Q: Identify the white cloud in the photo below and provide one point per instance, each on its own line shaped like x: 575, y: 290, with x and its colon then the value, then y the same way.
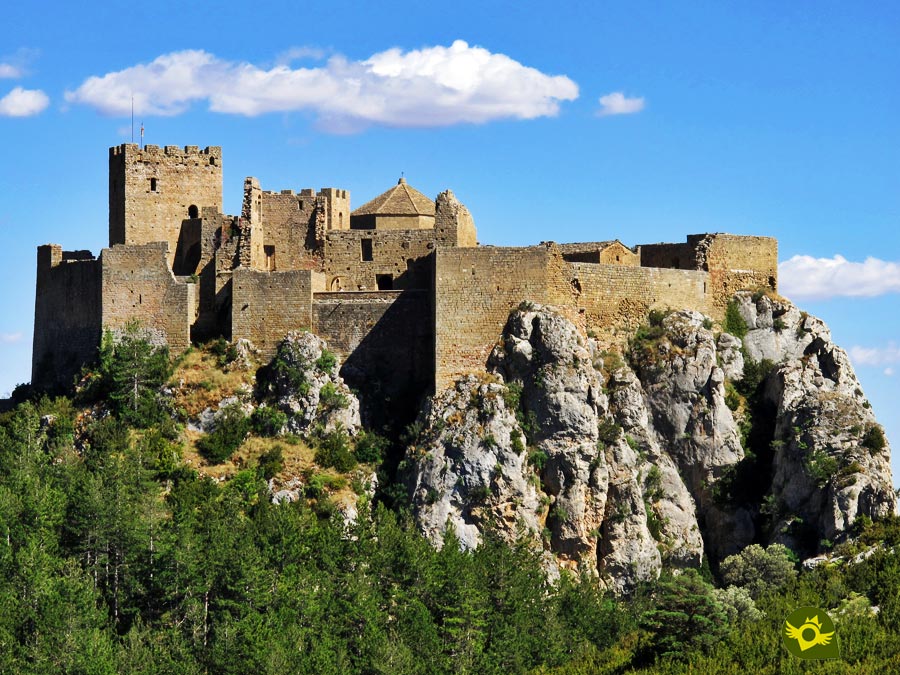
x: 9, y: 71
x: 23, y: 102
x: 299, y: 54
x: 875, y: 356
x: 429, y: 87
x: 617, y: 103
x: 14, y: 66
x: 10, y: 338
x: 805, y: 277
x: 889, y: 372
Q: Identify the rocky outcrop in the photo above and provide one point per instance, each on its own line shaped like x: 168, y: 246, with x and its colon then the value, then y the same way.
x: 622, y: 467
x: 830, y: 459
x: 303, y: 382
x: 471, y: 466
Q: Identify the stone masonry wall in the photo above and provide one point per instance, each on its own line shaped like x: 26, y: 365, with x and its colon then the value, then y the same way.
x: 289, y: 225
x: 385, y: 341
x: 738, y: 263
x: 611, y: 253
x: 137, y: 284
x: 615, y: 299
x: 402, y: 254
x: 673, y: 256
x: 453, y: 224
x: 67, y: 323
x: 151, y: 191
x: 475, y: 289
x: 266, y: 306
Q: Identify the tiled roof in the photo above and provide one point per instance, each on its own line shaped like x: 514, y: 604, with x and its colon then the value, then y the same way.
x: 400, y: 200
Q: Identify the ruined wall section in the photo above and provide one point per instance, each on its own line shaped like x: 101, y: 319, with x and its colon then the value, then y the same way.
x: 453, y: 224
x: 137, y: 284
x: 67, y: 315
x: 615, y: 299
x: 335, y: 207
x: 475, y: 289
x: 355, y: 260
x: 251, y: 206
x: 289, y: 224
x: 672, y: 256
x: 152, y: 190
x: 266, y: 306
x: 740, y: 263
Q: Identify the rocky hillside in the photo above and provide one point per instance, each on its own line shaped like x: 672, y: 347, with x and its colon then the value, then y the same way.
x: 697, y: 441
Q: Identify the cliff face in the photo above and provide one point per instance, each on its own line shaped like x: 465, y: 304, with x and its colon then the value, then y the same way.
x: 696, y: 443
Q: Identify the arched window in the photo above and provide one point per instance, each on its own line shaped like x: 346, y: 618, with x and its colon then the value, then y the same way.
x: 193, y: 211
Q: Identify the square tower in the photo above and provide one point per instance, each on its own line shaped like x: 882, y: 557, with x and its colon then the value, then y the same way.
x: 153, y: 190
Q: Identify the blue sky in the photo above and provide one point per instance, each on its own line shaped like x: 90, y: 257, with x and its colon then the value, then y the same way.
x: 567, y: 121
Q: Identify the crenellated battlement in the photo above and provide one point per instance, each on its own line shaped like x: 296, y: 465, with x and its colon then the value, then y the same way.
x: 150, y: 150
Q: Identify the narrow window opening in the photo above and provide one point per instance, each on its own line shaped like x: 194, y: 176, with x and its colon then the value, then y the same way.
x: 270, y: 257
x: 365, y: 249
x: 385, y: 282
x: 676, y: 263
x: 340, y: 220
x: 153, y: 185
x: 193, y: 211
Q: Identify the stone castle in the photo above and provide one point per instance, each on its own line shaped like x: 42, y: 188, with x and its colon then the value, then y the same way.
x: 399, y: 288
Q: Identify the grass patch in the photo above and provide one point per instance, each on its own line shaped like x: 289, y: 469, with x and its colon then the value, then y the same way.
x: 199, y: 382
x: 734, y: 322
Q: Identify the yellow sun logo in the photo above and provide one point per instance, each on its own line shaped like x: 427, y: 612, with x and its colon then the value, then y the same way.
x: 809, y: 634
x: 812, y: 628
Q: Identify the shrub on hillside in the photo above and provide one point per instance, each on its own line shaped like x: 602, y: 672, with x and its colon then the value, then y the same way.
x: 229, y: 432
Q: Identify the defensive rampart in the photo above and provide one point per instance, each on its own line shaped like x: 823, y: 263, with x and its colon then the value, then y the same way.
x: 266, y: 306
x: 137, y: 283
x: 385, y: 340
x: 67, y: 323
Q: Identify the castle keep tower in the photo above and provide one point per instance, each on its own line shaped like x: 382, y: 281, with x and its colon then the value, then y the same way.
x: 154, y: 190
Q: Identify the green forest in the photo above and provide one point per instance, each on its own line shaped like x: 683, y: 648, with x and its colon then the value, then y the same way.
x: 118, y: 556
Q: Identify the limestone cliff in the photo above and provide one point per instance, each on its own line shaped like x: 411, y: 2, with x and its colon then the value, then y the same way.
x: 695, y: 443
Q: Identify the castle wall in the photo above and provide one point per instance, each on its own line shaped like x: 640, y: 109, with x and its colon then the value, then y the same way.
x: 385, y: 341
x: 400, y: 254
x: 335, y: 206
x: 453, y: 224
x: 137, y: 284
x: 289, y: 224
x: 615, y: 299
x: 673, y: 256
x: 266, y: 306
x: 151, y: 191
x: 739, y: 262
x: 475, y: 289
x: 67, y: 315
x: 607, y: 253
